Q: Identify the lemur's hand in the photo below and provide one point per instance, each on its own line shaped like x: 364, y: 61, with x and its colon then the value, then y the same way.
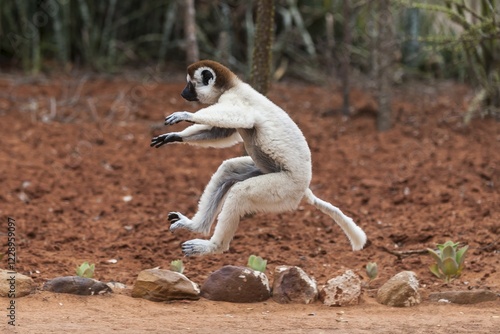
x: 165, y: 139
x: 177, y: 117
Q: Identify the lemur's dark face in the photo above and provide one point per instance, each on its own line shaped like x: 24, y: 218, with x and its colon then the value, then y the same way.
x: 189, y: 92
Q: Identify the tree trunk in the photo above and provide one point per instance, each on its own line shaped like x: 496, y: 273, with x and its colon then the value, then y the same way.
x: 261, y: 60
x: 192, y: 52
x: 346, y: 58
x: 330, y: 42
x: 385, y: 45
x: 411, y: 29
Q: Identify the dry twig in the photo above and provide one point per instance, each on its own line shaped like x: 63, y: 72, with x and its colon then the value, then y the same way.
x: 405, y: 253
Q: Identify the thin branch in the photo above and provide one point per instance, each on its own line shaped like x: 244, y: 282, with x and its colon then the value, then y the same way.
x: 405, y: 253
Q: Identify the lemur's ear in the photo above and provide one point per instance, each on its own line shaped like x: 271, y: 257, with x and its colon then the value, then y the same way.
x: 206, y: 77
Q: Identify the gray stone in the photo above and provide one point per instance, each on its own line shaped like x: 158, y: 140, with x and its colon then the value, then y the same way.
x: 116, y: 286
x: 292, y: 285
x: 76, y: 285
x: 465, y: 297
x: 13, y: 284
x: 163, y: 285
x: 236, y: 285
x: 342, y: 290
x: 400, y: 291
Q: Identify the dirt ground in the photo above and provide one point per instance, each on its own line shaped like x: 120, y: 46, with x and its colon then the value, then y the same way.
x: 79, y: 178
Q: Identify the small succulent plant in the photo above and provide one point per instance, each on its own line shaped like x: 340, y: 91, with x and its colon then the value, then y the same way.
x: 372, y: 270
x: 257, y: 263
x: 177, y: 266
x: 85, y: 270
x: 449, y: 260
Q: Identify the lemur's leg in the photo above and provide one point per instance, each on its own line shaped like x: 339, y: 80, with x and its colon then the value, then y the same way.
x: 273, y: 192
x: 230, y: 172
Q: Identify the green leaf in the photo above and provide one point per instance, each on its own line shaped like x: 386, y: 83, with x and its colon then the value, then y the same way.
x: 435, y: 255
x: 177, y: 266
x: 257, y: 263
x: 372, y: 270
x: 85, y: 270
x: 449, y: 267
x: 435, y: 270
x: 448, y: 252
x: 461, y: 255
x: 446, y: 244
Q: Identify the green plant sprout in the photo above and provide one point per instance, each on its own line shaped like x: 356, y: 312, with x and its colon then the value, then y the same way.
x: 85, y: 270
x: 371, y: 270
x: 449, y: 260
x: 257, y: 263
x: 177, y: 266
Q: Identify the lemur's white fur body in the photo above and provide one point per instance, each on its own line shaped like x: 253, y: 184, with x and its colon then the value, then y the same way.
x: 274, y: 177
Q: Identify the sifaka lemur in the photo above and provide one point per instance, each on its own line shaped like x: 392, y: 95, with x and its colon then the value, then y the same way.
x: 274, y: 177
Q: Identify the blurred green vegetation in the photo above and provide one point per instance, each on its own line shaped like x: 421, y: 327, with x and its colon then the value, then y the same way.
x: 457, y: 39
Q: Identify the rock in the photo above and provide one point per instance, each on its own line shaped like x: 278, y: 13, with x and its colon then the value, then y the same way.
x: 236, y: 285
x: 76, y: 285
x: 292, y: 285
x: 162, y: 285
x: 116, y: 286
x: 342, y: 290
x: 13, y: 285
x: 465, y: 297
x: 400, y: 291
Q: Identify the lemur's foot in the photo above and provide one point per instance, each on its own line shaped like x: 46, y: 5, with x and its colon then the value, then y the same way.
x: 200, y: 247
x: 178, y: 220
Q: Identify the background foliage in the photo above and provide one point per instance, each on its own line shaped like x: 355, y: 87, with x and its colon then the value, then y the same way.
x: 441, y: 38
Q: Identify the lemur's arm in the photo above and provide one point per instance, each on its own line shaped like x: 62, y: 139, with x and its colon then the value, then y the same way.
x: 218, y: 115
x: 200, y: 135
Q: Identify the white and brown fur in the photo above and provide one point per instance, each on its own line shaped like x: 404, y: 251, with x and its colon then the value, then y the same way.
x: 274, y: 177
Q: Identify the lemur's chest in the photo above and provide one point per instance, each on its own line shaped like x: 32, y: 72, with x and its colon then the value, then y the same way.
x: 264, y: 161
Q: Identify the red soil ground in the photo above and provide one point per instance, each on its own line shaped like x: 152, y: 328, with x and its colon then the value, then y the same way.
x: 73, y: 148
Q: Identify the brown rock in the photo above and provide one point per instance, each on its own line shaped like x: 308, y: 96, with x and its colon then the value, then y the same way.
x: 400, y: 291
x: 76, y: 285
x: 342, y: 290
x: 13, y: 284
x: 465, y: 297
x: 292, y: 285
x: 236, y: 285
x: 162, y: 285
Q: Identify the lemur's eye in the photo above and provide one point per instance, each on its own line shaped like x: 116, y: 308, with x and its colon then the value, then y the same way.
x: 206, y: 76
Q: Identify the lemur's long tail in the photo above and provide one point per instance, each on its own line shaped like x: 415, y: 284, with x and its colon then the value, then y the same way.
x: 356, y: 235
